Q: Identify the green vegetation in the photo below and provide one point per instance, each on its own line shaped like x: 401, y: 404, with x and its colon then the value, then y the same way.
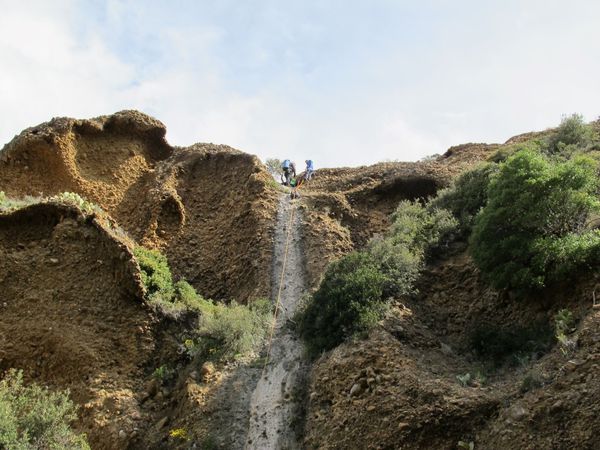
x: 352, y: 296
x: 73, y: 199
x: 532, y: 230
x: 32, y: 417
x: 224, y: 332
x: 156, y: 275
x: 274, y: 166
x: 8, y: 204
x: 163, y: 374
x: 477, y: 380
x: 227, y: 332
x: 348, y: 301
x: 572, y: 135
x: 467, y: 195
x: 515, y: 345
x: 415, y: 233
x: 564, y: 326
x: 532, y: 380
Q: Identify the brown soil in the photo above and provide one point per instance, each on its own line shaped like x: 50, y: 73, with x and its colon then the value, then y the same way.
x: 403, y: 377
x: 210, y: 208
x: 409, y: 396
x: 72, y: 315
x: 348, y: 206
x: 407, y: 393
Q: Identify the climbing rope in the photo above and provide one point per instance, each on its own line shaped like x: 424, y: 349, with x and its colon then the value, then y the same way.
x: 278, y: 300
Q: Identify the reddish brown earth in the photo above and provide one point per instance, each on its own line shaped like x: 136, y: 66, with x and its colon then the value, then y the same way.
x: 210, y: 208
x: 73, y: 314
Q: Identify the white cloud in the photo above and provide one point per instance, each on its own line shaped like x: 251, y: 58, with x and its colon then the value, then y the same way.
x: 300, y: 81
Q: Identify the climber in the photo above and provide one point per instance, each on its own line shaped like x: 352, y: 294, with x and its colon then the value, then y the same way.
x: 308, y: 173
x: 289, y: 169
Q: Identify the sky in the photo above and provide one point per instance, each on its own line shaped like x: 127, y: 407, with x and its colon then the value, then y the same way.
x: 342, y: 82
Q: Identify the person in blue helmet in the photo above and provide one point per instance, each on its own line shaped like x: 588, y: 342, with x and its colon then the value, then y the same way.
x: 310, y: 169
x: 289, y: 169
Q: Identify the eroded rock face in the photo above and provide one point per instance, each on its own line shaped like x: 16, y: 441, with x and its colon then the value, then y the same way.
x: 72, y: 315
x: 210, y: 208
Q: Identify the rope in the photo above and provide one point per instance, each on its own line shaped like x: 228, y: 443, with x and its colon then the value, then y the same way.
x: 278, y: 301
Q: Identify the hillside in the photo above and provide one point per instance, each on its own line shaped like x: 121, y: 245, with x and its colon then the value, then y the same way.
x: 77, y: 313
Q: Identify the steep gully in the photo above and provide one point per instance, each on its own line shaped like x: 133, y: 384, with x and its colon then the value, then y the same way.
x: 277, y: 401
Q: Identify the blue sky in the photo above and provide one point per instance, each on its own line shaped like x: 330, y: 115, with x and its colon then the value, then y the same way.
x: 342, y: 82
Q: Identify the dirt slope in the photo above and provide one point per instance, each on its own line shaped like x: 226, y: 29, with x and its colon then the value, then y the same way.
x: 345, y: 207
x: 72, y: 315
x: 210, y: 208
x: 399, y: 389
x: 213, y: 213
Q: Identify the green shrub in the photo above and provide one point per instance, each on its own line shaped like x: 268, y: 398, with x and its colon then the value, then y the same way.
x: 74, y: 199
x: 415, y: 232
x: 467, y: 195
x: 348, y: 301
x: 8, y: 204
x: 420, y: 229
x: 513, y: 345
x: 352, y: 296
x: 532, y: 230
x: 229, y: 331
x: 32, y: 417
x: 399, y: 266
x: 156, y: 274
x: 224, y: 332
x: 535, y: 144
x: 163, y: 374
x: 564, y: 322
x: 532, y: 381
x: 572, y: 134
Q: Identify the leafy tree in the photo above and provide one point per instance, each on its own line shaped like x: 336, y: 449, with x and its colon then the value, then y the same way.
x: 532, y: 230
x: 572, y: 133
x: 274, y: 167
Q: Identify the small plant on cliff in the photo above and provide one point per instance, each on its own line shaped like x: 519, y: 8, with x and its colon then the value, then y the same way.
x: 163, y: 374
x: 274, y: 167
x: 227, y: 332
x: 564, y: 326
x: 8, y: 204
x: 72, y: 198
x: 156, y: 274
x: 179, y: 434
x: 32, y: 417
